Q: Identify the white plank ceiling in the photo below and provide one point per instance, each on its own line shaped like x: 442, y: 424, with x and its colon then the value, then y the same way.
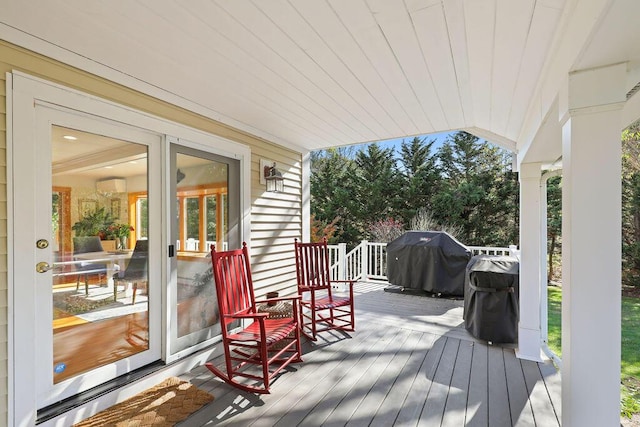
x: 318, y: 73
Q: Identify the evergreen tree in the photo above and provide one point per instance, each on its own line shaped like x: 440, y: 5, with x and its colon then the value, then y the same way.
x: 377, y: 189
x: 479, y: 193
x: 554, y: 223
x: 631, y: 204
x: 332, y: 189
x: 466, y: 185
x: 419, y: 177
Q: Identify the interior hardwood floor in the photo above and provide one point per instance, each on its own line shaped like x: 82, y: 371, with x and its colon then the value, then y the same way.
x: 85, y: 346
x: 82, y: 344
x: 410, y: 362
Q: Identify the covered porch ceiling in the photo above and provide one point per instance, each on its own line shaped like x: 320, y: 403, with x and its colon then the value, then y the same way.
x: 313, y: 74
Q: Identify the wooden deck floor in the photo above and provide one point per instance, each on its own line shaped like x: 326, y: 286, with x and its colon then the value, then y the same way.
x: 410, y: 362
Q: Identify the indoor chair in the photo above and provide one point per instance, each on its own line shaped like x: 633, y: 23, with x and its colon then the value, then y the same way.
x: 256, y: 347
x: 320, y: 310
x: 135, y: 272
x: 85, y: 244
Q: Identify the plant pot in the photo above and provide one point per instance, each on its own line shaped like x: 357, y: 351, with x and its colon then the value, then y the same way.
x: 108, y: 245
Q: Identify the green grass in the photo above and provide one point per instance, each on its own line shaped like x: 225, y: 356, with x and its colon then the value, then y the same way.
x: 554, y: 335
x: 630, y: 361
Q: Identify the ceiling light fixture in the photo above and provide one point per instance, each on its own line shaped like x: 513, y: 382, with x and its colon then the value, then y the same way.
x: 70, y: 137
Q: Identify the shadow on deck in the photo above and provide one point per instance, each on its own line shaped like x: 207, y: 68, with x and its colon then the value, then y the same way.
x: 410, y: 362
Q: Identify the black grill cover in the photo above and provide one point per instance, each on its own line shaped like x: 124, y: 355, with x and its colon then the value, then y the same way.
x: 431, y: 261
x: 491, y: 298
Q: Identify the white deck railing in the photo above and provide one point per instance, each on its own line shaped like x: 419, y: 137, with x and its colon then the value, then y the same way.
x: 368, y: 260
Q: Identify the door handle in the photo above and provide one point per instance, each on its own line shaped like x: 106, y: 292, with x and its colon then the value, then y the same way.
x: 43, y: 267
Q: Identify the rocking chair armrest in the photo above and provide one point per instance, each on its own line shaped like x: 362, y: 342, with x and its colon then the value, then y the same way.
x: 350, y: 282
x: 279, y: 299
x: 247, y: 316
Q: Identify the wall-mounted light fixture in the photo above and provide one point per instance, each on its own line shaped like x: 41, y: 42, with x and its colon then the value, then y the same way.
x: 271, y: 176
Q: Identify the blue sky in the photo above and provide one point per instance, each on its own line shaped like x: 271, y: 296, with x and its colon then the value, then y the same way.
x: 395, y: 143
x: 439, y: 137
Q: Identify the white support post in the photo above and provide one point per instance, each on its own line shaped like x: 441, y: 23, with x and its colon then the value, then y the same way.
x: 306, y: 197
x: 365, y: 259
x: 529, y: 334
x: 591, y: 247
x: 342, y: 261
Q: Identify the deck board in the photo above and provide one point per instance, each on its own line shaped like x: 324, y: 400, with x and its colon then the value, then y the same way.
x: 436, y: 400
x: 389, y: 409
x: 378, y: 392
x: 304, y: 394
x: 419, y: 390
x: 356, y: 385
x: 455, y: 409
x: 517, y: 391
x: 552, y: 382
x: 323, y: 361
x: 410, y: 362
x: 477, y: 404
x: 499, y: 413
x: 538, y: 395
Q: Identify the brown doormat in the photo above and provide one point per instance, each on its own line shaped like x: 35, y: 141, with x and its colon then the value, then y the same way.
x: 166, y: 404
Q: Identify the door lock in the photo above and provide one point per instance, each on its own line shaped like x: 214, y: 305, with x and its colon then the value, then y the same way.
x: 42, y: 244
x: 43, y: 267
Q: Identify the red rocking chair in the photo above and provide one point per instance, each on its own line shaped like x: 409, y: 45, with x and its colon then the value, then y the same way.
x: 259, y: 350
x: 320, y: 310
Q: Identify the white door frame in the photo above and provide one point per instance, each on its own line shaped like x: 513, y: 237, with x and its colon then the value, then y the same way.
x: 23, y: 91
x: 47, y: 393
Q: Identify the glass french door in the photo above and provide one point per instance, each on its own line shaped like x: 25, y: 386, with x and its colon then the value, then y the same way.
x: 205, y: 195
x: 94, y: 287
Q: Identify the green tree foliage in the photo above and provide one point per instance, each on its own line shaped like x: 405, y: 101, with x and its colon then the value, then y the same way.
x: 377, y: 185
x: 419, y: 175
x: 631, y: 204
x: 193, y: 217
x: 332, y: 190
x: 466, y: 185
x: 478, y: 192
x: 554, y: 223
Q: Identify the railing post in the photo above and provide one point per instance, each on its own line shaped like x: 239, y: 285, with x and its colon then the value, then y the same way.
x: 364, y: 260
x: 342, y: 261
x: 514, y: 251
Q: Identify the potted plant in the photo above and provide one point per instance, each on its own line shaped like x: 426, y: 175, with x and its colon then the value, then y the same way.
x: 120, y: 232
x: 94, y: 223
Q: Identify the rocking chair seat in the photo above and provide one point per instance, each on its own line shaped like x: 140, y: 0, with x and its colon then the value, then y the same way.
x: 276, y: 330
x: 326, y: 303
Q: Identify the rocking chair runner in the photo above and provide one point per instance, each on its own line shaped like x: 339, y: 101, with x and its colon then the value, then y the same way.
x: 320, y: 310
x: 267, y: 344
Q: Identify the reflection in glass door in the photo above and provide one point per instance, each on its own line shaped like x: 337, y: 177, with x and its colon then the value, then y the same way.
x: 99, y: 293
x: 74, y: 320
x: 202, y: 193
